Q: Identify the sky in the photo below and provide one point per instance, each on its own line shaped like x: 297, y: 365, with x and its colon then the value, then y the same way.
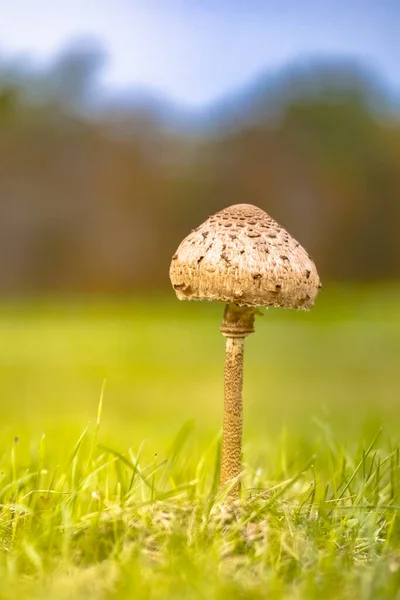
x: 196, y: 51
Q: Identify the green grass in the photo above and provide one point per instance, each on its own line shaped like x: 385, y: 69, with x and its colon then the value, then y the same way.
x: 127, y: 505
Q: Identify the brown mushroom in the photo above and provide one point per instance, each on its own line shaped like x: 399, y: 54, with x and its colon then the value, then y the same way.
x: 241, y: 257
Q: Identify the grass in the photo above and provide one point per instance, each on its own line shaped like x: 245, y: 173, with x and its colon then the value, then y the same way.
x: 118, y: 507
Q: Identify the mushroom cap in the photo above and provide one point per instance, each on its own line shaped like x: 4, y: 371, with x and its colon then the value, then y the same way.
x: 241, y: 255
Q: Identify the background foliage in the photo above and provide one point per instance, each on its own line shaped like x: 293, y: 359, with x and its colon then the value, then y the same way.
x: 96, y: 192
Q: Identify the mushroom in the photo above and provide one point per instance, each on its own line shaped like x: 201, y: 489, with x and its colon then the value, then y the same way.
x: 242, y: 257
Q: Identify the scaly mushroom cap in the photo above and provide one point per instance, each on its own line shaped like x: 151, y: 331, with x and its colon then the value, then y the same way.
x: 241, y: 255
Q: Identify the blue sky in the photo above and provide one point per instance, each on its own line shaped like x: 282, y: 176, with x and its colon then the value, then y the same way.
x: 194, y: 51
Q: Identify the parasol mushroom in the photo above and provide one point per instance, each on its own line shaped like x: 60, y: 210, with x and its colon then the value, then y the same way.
x: 242, y: 257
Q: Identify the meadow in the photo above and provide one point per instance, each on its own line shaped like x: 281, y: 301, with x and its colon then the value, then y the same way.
x: 110, y: 416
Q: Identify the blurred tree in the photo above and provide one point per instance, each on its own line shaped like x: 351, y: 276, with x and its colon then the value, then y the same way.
x: 71, y: 79
x: 98, y: 202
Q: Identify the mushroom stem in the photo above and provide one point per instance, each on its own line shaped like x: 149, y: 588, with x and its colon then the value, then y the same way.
x: 238, y: 322
x: 231, y: 458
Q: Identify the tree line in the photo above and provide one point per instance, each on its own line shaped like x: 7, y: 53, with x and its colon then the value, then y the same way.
x: 95, y: 198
